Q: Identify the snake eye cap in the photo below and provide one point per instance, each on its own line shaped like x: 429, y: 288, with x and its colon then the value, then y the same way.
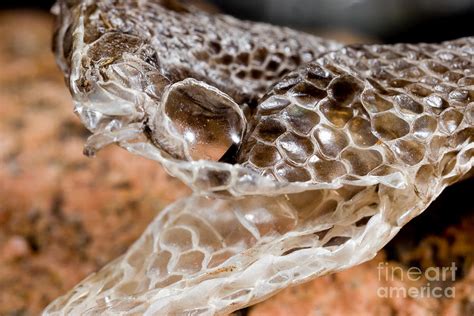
x: 198, y: 122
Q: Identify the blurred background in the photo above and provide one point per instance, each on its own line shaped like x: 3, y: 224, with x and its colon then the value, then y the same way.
x: 64, y: 216
x: 387, y: 20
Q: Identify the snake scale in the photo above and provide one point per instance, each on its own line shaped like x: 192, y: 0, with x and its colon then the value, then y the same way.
x: 305, y: 156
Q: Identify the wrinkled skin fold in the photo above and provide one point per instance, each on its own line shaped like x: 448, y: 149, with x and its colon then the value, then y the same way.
x: 305, y: 157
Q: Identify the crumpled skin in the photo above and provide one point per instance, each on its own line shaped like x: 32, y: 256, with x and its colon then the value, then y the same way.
x: 305, y: 157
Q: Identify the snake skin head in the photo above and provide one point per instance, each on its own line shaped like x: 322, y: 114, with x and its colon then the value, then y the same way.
x: 129, y: 65
x: 305, y: 157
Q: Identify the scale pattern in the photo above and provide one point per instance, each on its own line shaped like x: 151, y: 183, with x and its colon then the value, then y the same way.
x: 305, y: 157
x: 365, y: 111
x: 177, y: 42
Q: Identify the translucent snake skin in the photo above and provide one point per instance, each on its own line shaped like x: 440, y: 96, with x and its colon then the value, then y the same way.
x: 305, y: 157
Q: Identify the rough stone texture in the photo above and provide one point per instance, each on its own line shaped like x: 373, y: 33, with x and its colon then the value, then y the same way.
x: 59, y: 211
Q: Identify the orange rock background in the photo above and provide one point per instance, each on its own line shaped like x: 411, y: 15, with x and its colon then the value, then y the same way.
x: 63, y: 216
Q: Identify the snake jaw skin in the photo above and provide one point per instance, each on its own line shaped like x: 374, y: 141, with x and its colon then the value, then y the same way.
x: 305, y: 157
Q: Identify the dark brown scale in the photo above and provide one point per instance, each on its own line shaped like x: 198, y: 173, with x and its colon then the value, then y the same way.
x: 343, y: 90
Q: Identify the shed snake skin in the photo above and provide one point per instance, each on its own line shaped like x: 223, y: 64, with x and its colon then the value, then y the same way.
x: 305, y: 156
